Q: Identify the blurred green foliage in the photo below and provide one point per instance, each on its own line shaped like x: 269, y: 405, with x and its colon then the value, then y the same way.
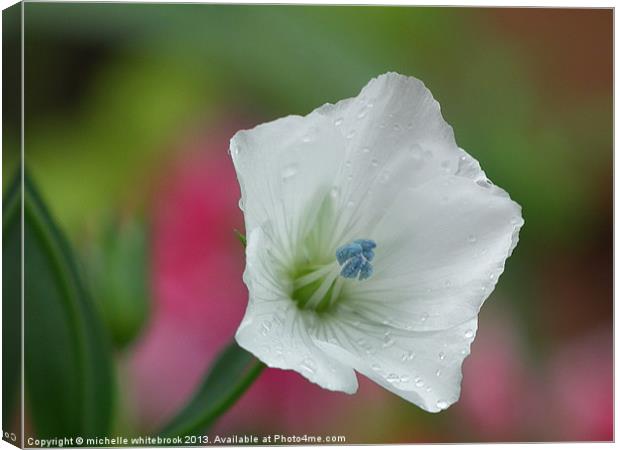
x: 119, y: 265
x: 67, y: 360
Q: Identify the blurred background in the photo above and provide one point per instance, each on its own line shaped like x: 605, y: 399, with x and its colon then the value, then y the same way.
x: 129, y: 109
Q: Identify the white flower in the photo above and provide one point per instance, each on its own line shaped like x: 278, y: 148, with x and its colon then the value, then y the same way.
x: 373, y: 241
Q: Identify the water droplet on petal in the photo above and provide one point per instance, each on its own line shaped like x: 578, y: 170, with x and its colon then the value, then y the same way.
x: 424, y: 317
x: 471, y: 239
x: 442, y: 355
x: 438, y: 372
x: 374, y: 162
x: 334, y: 192
x: 241, y: 204
x: 308, y: 365
x: 265, y: 327
x: 404, y: 379
x: 375, y: 367
x: 388, y: 340
x: 350, y: 134
x: 396, y: 127
x: 338, y: 121
x: 442, y: 404
x: 407, y: 356
x: 289, y: 171
x: 392, y: 378
x: 365, y: 150
x: 350, y: 204
x: 469, y: 334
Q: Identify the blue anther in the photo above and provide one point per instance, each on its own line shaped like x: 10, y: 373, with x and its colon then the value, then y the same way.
x: 355, y: 258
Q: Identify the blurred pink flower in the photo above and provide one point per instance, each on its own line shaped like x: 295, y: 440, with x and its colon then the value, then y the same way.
x: 496, y: 393
x: 580, y: 389
x: 199, y: 299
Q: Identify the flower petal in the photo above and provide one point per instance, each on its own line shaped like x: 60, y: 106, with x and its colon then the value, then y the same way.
x: 395, y: 135
x: 277, y: 332
x: 285, y: 168
x: 421, y: 367
x: 440, y: 250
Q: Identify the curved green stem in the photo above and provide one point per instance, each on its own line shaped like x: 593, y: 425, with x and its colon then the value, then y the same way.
x: 231, y: 375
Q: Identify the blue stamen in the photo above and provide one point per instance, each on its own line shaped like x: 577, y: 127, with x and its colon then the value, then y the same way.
x: 355, y: 258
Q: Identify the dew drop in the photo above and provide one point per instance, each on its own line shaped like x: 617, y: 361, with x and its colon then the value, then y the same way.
x: 438, y: 372
x: 392, y: 378
x: 388, y: 340
x: 241, y: 204
x: 375, y: 367
x: 365, y: 150
x: 396, y: 127
x: 445, y: 165
x: 334, y: 192
x: 361, y: 115
x: 289, y: 171
x: 469, y: 334
x: 374, y: 162
x: 338, y: 121
x: 419, y: 382
x: 424, y: 317
x: 265, y: 327
x: 442, y: 404
x: 471, y: 239
x: 447, y: 283
x: 442, y: 355
x: 308, y: 365
x: 407, y: 356
x: 350, y: 134
x: 404, y: 379
x: 350, y: 204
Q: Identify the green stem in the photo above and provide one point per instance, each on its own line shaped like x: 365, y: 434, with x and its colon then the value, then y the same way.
x: 230, y: 376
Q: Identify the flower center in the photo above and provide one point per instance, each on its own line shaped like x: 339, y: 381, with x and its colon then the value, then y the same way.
x: 319, y: 287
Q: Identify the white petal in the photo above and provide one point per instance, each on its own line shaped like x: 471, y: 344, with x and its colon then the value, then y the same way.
x: 285, y: 168
x: 422, y: 367
x: 277, y: 332
x: 440, y: 250
x: 395, y: 136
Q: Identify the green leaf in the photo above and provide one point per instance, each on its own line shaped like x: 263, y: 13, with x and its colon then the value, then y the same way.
x: 68, y: 367
x: 119, y: 275
x: 11, y: 306
x: 230, y: 376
